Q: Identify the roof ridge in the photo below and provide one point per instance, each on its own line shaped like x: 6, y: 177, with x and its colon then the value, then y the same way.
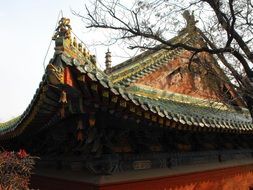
x: 139, y: 68
x: 139, y: 56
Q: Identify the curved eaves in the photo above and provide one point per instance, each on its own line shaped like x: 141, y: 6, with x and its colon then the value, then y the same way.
x: 41, y: 112
x: 164, y: 113
x: 15, y: 126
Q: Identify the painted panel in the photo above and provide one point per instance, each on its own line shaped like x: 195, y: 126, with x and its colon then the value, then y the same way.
x: 196, y: 78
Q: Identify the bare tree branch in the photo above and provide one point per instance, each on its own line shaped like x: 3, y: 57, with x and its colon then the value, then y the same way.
x: 227, y: 26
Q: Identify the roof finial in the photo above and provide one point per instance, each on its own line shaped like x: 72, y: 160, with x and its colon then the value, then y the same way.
x: 63, y: 29
x: 108, y: 61
x: 190, y: 19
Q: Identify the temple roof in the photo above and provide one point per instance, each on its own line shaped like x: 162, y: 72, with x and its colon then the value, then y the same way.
x: 146, y: 62
x: 172, y: 71
x: 72, y: 81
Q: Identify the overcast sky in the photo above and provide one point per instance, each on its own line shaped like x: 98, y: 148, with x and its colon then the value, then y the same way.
x: 26, y: 30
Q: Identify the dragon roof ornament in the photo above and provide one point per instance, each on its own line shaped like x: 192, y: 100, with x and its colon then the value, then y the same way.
x: 63, y: 29
x: 190, y: 19
x: 66, y: 42
x: 190, y: 22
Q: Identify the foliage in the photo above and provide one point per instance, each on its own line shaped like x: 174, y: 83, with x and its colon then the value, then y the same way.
x: 15, y: 170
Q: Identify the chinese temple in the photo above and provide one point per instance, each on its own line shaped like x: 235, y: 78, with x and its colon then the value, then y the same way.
x: 162, y: 120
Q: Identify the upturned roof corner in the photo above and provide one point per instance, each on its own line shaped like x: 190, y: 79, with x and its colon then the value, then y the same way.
x: 63, y: 29
x: 154, y: 87
x: 66, y: 41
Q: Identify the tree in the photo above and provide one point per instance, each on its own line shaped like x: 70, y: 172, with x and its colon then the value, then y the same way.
x: 226, y: 26
x: 15, y: 170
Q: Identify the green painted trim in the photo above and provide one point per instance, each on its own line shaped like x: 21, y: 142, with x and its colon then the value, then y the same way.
x: 162, y: 95
x: 9, y: 125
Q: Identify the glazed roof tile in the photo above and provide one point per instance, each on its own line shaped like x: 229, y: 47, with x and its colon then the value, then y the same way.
x: 170, y: 107
x: 202, y: 115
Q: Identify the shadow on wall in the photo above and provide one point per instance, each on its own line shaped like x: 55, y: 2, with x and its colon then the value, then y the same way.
x: 236, y: 178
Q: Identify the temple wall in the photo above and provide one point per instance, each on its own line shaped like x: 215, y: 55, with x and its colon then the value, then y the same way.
x: 233, y: 178
x: 238, y: 178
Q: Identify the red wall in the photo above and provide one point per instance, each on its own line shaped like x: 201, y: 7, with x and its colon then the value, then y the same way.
x: 46, y: 183
x: 236, y: 178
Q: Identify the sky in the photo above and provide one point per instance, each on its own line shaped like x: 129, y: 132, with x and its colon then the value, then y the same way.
x: 26, y: 30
